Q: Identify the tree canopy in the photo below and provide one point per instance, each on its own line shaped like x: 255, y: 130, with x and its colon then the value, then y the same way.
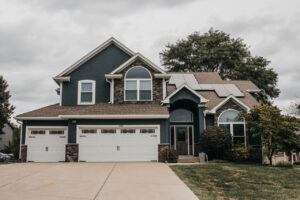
x: 277, y: 132
x: 216, y: 51
x: 6, y: 110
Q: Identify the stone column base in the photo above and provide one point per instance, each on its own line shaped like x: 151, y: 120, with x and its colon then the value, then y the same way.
x: 23, y: 154
x: 72, y: 152
x: 160, y: 148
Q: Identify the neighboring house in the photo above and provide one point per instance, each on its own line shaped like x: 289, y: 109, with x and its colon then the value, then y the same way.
x: 6, y: 136
x: 116, y: 105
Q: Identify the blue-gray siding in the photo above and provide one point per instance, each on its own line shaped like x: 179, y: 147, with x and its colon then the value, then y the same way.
x: 94, y: 69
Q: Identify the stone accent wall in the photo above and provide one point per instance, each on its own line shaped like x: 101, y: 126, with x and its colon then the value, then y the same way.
x: 23, y: 149
x: 157, y: 90
x: 72, y: 152
x: 160, y: 148
x: 229, y: 105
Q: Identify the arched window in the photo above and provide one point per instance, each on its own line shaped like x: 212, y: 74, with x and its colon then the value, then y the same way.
x: 138, y: 84
x: 181, y: 115
x: 230, y: 119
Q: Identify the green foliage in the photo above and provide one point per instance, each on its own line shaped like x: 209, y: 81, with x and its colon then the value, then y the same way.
x: 240, y: 153
x: 284, y: 164
x: 216, y: 51
x: 216, y: 142
x: 169, y: 155
x: 14, y: 146
x: 6, y: 110
x: 277, y: 132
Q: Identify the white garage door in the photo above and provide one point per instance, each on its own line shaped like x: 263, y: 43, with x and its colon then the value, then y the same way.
x: 113, y: 143
x: 46, y: 144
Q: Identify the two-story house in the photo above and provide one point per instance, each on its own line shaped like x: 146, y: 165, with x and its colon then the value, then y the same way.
x: 116, y: 105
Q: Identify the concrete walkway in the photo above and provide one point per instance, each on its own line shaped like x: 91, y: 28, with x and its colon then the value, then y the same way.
x: 105, y: 181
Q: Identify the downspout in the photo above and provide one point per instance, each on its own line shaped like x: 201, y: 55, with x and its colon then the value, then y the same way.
x: 111, y: 98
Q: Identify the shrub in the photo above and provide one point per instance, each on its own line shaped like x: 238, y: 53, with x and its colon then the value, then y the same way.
x: 297, y: 163
x: 168, y: 155
x: 216, y: 142
x: 284, y: 164
x: 240, y: 153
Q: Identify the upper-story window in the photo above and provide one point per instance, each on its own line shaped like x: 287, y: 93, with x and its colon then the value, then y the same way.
x: 138, y: 85
x: 86, y: 92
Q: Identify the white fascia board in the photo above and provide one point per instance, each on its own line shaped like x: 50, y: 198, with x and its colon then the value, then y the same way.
x: 113, y: 76
x: 37, y: 118
x: 165, y: 76
x: 94, y: 52
x: 214, y: 110
x: 202, y: 99
x: 253, y: 90
x: 58, y: 80
x: 134, y: 58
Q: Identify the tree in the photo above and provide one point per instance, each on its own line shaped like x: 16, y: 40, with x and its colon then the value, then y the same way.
x: 14, y: 146
x: 216, y: 51
x: 216, y: 142
x: 278, y: 132
x: 6, y: 110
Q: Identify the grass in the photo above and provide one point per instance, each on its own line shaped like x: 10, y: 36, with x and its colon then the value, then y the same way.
x: 240, y: 181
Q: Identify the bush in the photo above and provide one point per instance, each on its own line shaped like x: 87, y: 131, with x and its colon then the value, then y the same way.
x: 297, y: 163
x: 240, y: 153
x: 216, y: 142
x: 168, y: 155
x: 284, y: 164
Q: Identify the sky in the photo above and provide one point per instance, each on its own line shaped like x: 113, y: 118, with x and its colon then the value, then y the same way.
x: 41, y: 38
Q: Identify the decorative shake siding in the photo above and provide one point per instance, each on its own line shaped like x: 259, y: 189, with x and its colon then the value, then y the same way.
x: 157, y: 90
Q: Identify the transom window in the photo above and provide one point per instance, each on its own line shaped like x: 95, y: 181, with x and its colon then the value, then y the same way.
x: 86, y: 92
x: 56, y: 132
x: 89, y: 131
x: 149, y: 130
x: 138, y: 85
x: 230, y: 120
x: 181, y: 115
x: 38, y: 132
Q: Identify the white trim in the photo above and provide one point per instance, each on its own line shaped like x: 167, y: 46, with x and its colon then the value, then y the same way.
x: 113, y: 76
x: 164, y: 87
x: 214, y: 109
x: 134, y: 58
x: 79, y: 92
x: 202, y: 99
x: 62, y: 79
x: 65, y: 128
x: 60, y: 93
x: 138, y: 80
x: 253, y: 90
x: 112, y: 95
x: 97, y: 50
x: 64, y: 117
x: 188, y: 133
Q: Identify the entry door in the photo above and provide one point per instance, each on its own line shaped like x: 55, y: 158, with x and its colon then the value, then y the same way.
x: 182, y: 140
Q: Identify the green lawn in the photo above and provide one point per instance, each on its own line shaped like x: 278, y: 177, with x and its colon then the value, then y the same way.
x: 240, y: 181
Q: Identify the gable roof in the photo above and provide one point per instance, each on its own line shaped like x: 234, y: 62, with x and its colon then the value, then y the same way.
x: 214, y: 109
x: 167, y: 99
x: 94, y: 52
x: 134, y: 58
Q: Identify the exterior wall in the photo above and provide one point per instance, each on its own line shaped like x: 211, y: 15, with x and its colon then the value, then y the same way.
x: 23, y: 153
x: 6, y: 137
x: 209, y: 120
x: 157, y: 88
x: 94, y: 69
x: 72, y: 152
x: 185, y: 94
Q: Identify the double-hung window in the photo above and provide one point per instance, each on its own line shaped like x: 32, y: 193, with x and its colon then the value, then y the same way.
x: 138, y: 85
x: 86, y: 92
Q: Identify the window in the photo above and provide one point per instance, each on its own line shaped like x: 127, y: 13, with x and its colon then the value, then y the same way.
x: 38, y: 132
x: 89, y: 131
x: 234, y: 124
x: 149, y: 130
x: 125, y: 131
x: 56, y: 132
x: 181, y: 115
x: 108, y: 131
x: 86, y: 92
x: 138, y: 85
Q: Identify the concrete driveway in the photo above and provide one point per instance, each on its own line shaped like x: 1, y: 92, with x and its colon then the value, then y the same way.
x: 106, y: 181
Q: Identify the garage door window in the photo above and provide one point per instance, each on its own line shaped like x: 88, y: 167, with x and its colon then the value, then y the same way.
x: 56, y: 132
x: 89, y: 131
x: 108, y: 131
x: 38, y: 132
x: 149, y: 130
x: 128, y: 131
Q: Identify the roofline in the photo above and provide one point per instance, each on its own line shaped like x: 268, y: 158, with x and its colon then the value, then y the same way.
x: 65, y: 117
x: 253, y: 90
x: 134, y: 58
x: 91, y: 54
x: 61, y: 79
x: 113, y: 76
x: 165, y: 76
x: 167, y: 99
x: 214, y: 109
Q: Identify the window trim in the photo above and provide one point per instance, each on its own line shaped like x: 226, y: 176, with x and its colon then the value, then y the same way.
x: 232, y: 123
x: 93, y: 92
x: 138, y: 84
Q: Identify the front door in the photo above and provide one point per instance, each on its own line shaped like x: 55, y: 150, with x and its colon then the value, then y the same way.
x: 182, y: 140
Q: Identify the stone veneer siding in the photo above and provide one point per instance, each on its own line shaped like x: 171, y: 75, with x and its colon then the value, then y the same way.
x: 23, y: 157
x: 157, y: 90
x: 160, y: 148
x: 72, y: 152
